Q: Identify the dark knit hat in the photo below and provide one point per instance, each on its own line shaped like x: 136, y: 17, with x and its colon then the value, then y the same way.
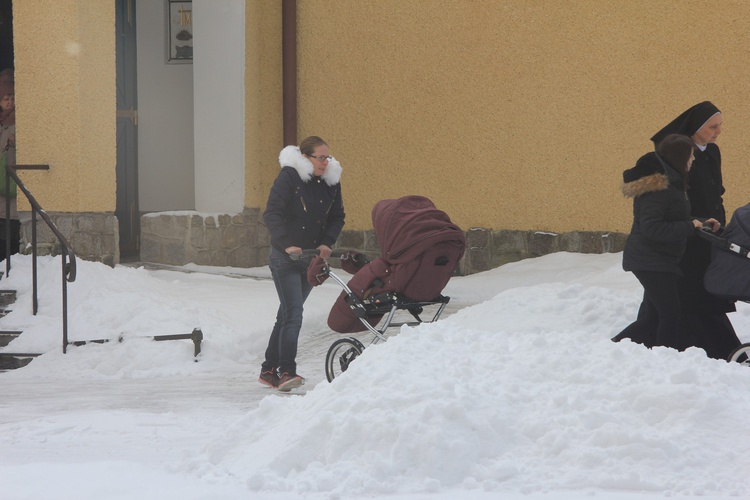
x: 689, y: 122
x: 646, y: 165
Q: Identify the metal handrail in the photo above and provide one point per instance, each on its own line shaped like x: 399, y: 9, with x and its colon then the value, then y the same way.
x: 68, y: 255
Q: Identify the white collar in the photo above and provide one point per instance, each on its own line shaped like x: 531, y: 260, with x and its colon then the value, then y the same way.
x: 291, y: 156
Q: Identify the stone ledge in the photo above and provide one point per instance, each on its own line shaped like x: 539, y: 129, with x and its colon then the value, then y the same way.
x: 93, y: 236
x: 179, y: 238
x: 242, y: 240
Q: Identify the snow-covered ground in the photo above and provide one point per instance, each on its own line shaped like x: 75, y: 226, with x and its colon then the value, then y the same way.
x: 517, y: 393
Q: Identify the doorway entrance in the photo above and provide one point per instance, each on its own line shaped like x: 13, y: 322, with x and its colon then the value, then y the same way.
x: 127, y: 210
x: 6, y: 35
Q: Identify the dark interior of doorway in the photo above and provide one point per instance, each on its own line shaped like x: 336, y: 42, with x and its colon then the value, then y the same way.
x: 6, y: 34
x: 127, y: 206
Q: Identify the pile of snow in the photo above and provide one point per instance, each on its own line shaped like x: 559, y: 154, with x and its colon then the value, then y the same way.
x: 521, y: 393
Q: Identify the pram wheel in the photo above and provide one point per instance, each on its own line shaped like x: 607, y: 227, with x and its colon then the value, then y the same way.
x: 340, y: 356
x: 740, y: 355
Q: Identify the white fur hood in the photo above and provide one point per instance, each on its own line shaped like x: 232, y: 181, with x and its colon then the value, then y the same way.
x: 291, y: 156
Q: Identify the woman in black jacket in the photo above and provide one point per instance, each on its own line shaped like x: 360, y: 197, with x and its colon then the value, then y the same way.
x: 661, y: 226
x: 704, y: 315
x: 304, y: 211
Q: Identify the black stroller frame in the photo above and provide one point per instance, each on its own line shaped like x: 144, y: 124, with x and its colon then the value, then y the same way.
x: 345, y: 350
x: 742, y: 352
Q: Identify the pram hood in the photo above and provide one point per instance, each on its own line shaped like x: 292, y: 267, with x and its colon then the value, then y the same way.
x: 420, y: 250
x: 407, y: 226
x: 728, y: 275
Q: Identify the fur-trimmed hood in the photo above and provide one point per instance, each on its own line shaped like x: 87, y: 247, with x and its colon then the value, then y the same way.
x: 291, y: 156
x: 649, y: 174
x: 647, y: 184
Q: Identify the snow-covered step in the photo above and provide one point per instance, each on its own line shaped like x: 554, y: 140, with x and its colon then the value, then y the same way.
x: 11, y: 361
x: 7, y: 336
x: 7, y: 297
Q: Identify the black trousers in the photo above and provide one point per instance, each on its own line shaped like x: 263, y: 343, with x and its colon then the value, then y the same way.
x: 713, y: 333
x: 659, y: 320
x: 15, y: 237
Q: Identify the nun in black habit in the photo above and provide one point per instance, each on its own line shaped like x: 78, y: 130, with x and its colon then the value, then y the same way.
x: 706, y: 323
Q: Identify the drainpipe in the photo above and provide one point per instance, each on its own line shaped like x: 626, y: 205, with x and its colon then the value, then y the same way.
x: 289, y: 69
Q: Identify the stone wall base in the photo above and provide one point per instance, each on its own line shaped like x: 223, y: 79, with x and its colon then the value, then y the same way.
x: 241, y: 240
x: 487, y: 249
x: 179, y: 238
x: 93, y: 236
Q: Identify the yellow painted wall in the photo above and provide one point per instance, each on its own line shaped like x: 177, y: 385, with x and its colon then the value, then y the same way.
x: 66, y: 102
x: 263, y: 99
x: 509, y: 114
x: 516, y: 114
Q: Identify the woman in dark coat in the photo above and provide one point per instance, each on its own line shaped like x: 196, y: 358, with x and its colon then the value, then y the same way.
x: 708, y: 326
x: 661, y: 226
x: 304, y: 211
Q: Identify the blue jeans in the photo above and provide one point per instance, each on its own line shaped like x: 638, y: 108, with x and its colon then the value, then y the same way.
x: 290, y: 278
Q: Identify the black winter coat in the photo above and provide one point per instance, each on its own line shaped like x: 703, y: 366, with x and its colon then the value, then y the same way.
x: 661, y: 217
x: 705, y: 185
x: 303, y: 210
x: 705, y: 191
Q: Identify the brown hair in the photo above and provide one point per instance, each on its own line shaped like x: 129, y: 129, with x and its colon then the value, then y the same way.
x: 308, y: 145
x: 675, y: 149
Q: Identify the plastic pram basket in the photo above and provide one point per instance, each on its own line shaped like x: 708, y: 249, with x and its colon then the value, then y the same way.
x: 728, y: 275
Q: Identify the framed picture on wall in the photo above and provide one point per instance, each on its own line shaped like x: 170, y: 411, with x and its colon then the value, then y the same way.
x: 179, y: 31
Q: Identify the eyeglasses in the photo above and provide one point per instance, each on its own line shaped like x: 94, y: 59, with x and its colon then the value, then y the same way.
x: 321, y: 158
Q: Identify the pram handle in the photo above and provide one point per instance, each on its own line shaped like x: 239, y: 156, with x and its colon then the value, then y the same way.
x: 708, y: 235
x: 313, y: 252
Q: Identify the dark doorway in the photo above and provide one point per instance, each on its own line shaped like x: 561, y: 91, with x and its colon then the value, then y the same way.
x: 6, y: 34
x: 127, y: 210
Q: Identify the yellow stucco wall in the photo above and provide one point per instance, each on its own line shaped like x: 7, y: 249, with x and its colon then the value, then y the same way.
x: 509, y: 114
x: 66, y: 102
x: 516, y: 114
x: 263, y: 99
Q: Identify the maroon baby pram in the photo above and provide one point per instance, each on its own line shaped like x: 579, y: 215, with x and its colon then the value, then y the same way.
x: 420, y: 251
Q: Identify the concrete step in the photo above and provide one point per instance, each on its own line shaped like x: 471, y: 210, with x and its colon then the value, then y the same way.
x: 9, y: 361
x: 12, y: 361
x: 7, y: 297
x: 7, y: 336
